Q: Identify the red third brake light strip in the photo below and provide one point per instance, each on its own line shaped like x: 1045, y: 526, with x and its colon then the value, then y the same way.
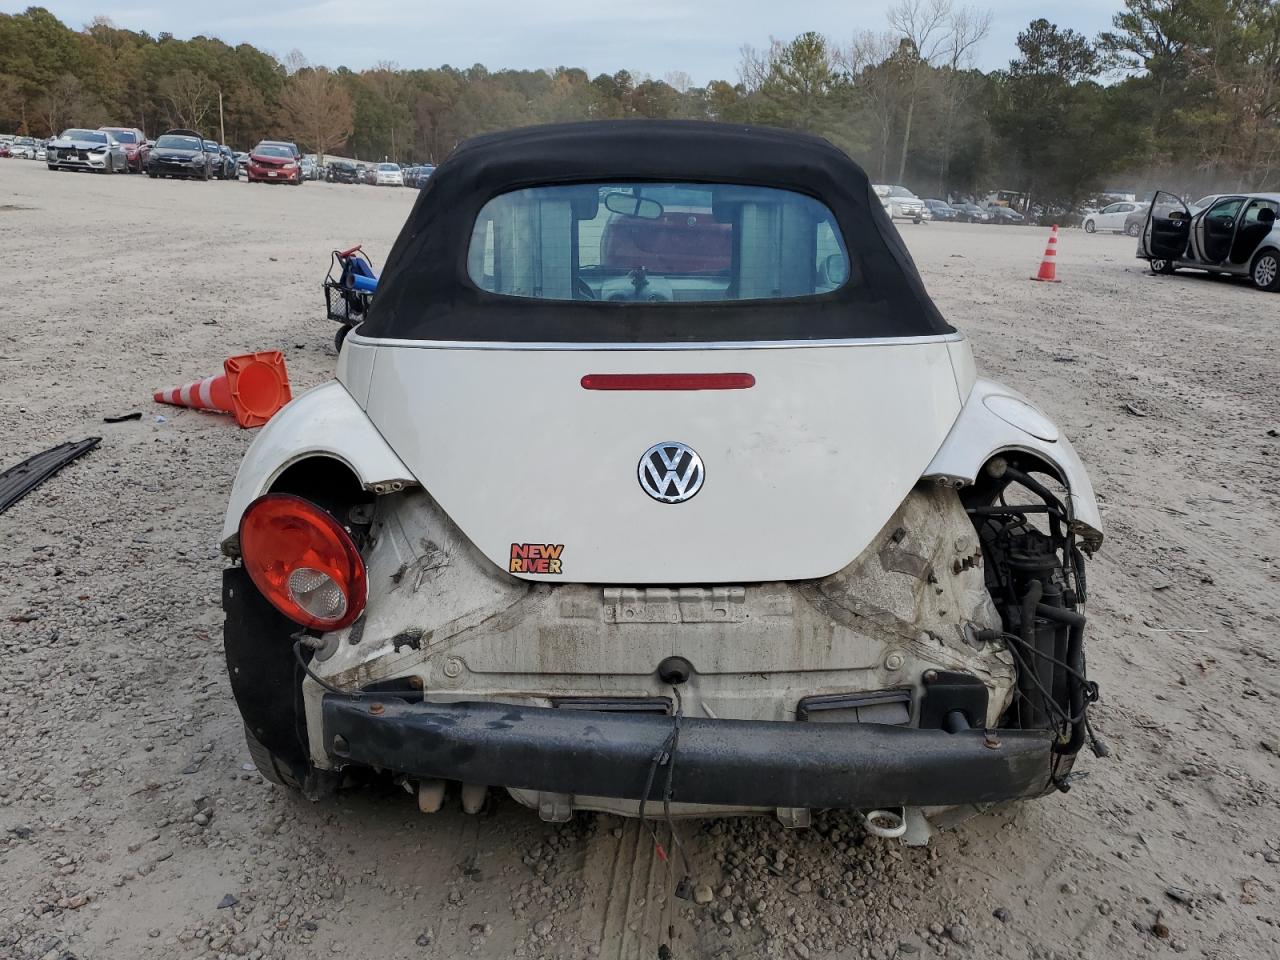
x: 668, y: 381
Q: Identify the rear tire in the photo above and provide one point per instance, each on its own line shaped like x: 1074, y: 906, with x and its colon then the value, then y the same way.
x: 269, y: 765
x: 1164, y: 267
x: 1133, y: 230
x: 1265, y: 271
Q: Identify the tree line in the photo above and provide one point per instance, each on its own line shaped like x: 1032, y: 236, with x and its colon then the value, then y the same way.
x: 1179, y: 93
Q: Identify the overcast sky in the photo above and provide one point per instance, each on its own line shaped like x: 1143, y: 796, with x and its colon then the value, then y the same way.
x: 700, y: 37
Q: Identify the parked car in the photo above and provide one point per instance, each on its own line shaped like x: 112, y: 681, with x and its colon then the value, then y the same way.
x: 898, y: 630
x: 23, y: 148
x: 307, y: 166
x: 5, y: 150
x: 180, y: 153
x: 971, y: 213
x: 422, y: 175
x: 368, y: 173
x: 288, y: 144
x: 274, y: 162
x: 342, y: 171
x: 1116, y: 217
x: 1005, y: 215
x: 388, y: 175
x: 135, y: 146
x: 92, y: 150
x: 900, y: 202
x: 223, y: 163
x: 242, y: 162
x: 1234, y: 234
x: 941, y: 210
x: 230, y: 165
x: 1135, y: 219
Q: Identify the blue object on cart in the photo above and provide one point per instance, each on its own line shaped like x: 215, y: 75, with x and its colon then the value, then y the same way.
x: 349, y: 286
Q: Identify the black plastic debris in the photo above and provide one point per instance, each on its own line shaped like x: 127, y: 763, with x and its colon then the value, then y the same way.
x: 21, y: 479
x: 136, y: 415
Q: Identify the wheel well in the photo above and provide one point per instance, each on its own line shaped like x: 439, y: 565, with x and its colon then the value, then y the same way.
x: 990, y: 482
x: 327, y: 482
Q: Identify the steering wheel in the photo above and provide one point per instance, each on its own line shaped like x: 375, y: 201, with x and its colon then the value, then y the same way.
x: 583, y: 290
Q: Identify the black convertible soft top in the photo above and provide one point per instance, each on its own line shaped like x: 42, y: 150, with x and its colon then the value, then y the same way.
x: 425, y: 293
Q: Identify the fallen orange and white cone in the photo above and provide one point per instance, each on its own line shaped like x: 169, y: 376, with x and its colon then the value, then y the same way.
x: 252, y: 387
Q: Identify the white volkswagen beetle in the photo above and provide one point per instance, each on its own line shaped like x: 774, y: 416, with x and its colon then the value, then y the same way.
x: 1234, y: 234
x: 654, y: 475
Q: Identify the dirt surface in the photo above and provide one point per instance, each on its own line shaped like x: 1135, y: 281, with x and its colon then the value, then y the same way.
x: 132, y: 824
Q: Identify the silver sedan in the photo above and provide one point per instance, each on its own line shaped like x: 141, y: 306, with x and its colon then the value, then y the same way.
x: 93, y: 150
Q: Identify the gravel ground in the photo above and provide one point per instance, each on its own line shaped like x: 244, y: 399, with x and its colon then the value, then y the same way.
x: 132, y: 824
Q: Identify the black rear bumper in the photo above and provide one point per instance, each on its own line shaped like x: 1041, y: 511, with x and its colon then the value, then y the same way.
x: 727, y: 762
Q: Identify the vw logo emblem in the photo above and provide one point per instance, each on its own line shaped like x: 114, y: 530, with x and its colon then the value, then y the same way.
x: 671, y: 472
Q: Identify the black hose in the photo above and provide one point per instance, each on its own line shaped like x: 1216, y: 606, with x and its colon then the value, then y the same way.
x: 1075, y: 659
x: 1035, y: 486
x: 1028, y: 627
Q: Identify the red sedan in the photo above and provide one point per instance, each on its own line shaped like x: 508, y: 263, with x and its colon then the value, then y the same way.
x: 135, y: 146
x: 273, y: 163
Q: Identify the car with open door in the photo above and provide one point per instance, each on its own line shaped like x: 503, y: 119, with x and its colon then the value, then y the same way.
x: 1234, y: 234
x: 654, y: 476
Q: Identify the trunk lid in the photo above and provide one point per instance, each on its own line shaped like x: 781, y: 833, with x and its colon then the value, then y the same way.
x: 799, y: 470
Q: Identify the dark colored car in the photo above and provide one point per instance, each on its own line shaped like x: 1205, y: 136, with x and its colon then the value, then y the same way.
x: 136, y: 146
x: 273, y: 162
x: 1006, y: 215
x: 224, y: 161
x: 971, y: 213
x: 419, y: 176
x: 180, y: 153
x: 941, y: 210
x: 342, y: 171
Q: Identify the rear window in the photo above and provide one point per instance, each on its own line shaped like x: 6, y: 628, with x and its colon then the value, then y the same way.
x: 656, y: 242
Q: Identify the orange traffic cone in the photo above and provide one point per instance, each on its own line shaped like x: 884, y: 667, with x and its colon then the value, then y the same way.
x: 1049, y: 265
x: 252, y: 386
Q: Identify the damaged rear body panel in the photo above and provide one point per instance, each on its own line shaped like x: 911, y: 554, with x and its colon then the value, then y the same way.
x: 654, y: 476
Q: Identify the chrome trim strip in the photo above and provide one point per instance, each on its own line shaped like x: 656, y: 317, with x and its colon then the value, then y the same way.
x: 355, y: 338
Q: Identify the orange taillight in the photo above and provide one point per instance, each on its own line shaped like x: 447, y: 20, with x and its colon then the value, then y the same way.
x: 303, y: 561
